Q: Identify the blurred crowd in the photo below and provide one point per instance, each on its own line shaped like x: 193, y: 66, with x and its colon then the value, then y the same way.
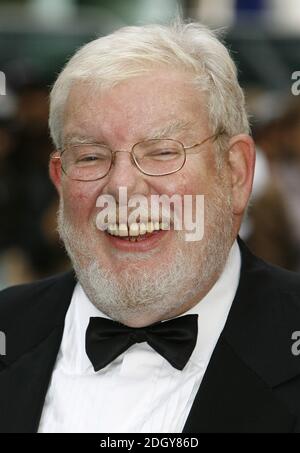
x: 29, y: 244
x: 272, y: 226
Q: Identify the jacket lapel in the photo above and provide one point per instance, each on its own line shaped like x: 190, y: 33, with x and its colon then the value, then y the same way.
x: 233, y: 399
x: 27, y: 380
x: 32, y: 346
x: 251, y: 359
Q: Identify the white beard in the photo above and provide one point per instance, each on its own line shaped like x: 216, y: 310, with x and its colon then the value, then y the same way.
x: 140, y: 294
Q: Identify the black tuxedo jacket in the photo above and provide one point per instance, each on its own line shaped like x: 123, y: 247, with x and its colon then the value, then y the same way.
x: 252, y: 383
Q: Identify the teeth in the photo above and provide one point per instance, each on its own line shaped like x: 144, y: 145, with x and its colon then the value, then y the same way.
x: 136, y: 229
x: 150, y: 227
x: 164, y: 226
x: 143, y: 228
x: 123, y: 230
x: 113, y: 229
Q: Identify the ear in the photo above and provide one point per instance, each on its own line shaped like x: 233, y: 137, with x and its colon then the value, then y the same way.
x: 241, y: 160
x: 55, y: 171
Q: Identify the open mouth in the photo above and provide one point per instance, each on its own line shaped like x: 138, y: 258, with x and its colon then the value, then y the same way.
x: 136, y: 232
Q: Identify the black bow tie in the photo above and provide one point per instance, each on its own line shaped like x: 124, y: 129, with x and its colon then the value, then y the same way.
x: 174, y: 339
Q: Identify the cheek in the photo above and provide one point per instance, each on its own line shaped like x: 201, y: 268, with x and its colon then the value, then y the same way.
x: 192, y: 181
x: 80, y: 201
x: 202, y: 176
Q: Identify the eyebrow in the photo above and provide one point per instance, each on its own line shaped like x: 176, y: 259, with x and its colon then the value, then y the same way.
x: 80, y: 139
x: 167, y: 131
x: 171, y: 129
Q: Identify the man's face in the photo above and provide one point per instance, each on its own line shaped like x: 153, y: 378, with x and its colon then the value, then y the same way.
x: 135, y: 110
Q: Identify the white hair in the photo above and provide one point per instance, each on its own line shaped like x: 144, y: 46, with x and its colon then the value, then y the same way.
x: 136, y: 50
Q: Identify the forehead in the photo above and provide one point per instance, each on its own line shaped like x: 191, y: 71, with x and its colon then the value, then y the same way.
x: 157, y: 104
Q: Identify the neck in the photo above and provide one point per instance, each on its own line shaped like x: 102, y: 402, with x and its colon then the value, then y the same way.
x: 147, y: 318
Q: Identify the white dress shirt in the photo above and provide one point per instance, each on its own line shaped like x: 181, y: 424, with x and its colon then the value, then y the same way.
x: 139, y: 392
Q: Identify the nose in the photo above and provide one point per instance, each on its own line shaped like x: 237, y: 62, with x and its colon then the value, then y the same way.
x: 124, y: 173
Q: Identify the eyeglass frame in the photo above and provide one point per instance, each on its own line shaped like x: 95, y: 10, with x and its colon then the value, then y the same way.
x: 214, y: 136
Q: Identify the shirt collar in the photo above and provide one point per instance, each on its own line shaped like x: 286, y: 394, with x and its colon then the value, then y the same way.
x: 214, y: 308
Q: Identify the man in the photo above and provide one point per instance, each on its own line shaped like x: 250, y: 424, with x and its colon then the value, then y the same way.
x: 156, y: 333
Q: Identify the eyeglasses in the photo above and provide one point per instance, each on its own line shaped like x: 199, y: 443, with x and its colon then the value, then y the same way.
x: 154, y: 157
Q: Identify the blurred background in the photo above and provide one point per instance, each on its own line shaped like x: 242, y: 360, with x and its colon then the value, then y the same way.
x: 36, y: 39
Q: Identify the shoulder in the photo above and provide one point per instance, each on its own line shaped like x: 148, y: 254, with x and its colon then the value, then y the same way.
x: 283, y: 280
x: 263, y: 318
x: 29, y: 288
x: 261, y: 276
x: 16, y: 300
